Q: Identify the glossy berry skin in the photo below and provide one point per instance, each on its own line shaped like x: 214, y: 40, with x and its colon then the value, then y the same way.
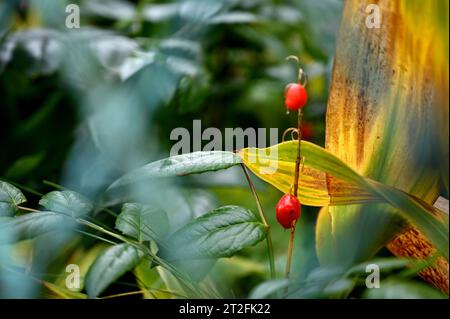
x: 288, y: 210
x: 296, y: 96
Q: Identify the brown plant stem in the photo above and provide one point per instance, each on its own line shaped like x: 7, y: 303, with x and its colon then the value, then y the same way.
x: 290, y: 251
x: 295, y: 193
x: 298, y: 159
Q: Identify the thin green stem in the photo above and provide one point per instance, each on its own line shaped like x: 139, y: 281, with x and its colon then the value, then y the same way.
x: 96, y: 237
x: 54, y: 185
x: 105, y: 231
x: 139, y: 292
x: 27, y: 209
x: 266, y: 224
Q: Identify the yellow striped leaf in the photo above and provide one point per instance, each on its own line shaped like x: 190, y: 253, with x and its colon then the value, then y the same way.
x: 322, y: 171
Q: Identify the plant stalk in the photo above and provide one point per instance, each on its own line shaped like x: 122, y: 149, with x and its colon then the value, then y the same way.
x: 290, y: 251
x: 27, y: 209
x: 296, y: 178
x: 266, y: 224
x: 298, y: 159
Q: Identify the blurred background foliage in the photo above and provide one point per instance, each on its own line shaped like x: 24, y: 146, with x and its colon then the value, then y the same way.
x: 80, y: 107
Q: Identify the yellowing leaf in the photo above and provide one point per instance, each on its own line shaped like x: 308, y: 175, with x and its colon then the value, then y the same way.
x: 320, y: 167
x: 276, y: 166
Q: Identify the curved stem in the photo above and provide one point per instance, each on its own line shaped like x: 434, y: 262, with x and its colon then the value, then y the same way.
x: 266, y: 224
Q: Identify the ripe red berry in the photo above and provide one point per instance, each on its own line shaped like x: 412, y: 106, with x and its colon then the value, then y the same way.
x: 288, y: 210
x: 296, y: 96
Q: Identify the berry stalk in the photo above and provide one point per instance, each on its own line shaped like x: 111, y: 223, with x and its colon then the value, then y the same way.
x: 298, y: 159
x: 290, y: 251
x: 288, y: 207
x: 295, y: 193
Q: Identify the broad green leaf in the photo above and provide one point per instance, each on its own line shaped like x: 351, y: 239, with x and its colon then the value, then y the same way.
x: 33, y: 224
x: 387, y: 118
x: 10, y: 198
x: 143, y: 222
x: 110, y: 266
x: 191, y: 163
x: 219, y: 233
x: 67, y: 202
x: 328, y: 171
x: 402, y: 289
x: 384, y: 264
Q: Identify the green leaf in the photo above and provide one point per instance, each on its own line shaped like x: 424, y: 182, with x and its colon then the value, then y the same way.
x: 402, y: 289
x: 10, y: 198
x: 32, y: 225
x: 143, y: 222
x: 110, y: 266
x: 67, y: 202
x: 219, y: 233
x: 384, y: 264
x: 191, y: 163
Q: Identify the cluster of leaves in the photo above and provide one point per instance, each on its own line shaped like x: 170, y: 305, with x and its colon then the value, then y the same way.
x: 145, y: 231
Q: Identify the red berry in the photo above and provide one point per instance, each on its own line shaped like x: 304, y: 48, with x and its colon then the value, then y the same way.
x: 288, y: 210
x: 296, y: 96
